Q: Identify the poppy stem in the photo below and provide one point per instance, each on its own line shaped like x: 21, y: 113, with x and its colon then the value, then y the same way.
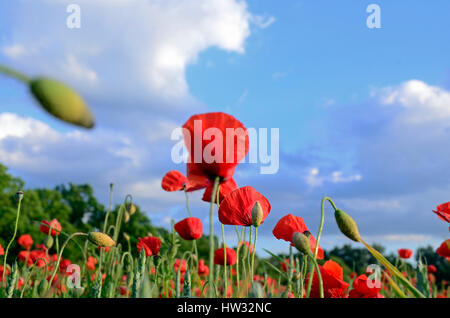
x: 211, y: 235
x: 13, y: 238
x: 248, y: 252
x: 187, y: 202
x: 237, y: 257
x: 319, y: 234
x: 320, y: 277
x: 13, y: 73
x: 254, y: 251
x: 60, y: 255
x: 111, y: 189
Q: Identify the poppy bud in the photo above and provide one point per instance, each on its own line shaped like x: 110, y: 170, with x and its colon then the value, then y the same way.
x: 126, y: 217
x: 48, y: 241
x: 131, y: 208
x: 126, y: 236
x: 78, y: 292
x: 61, y: 101
x: 257, y: 214
x: 347, y: 225
x: 301, y: 242
x: 101, y: 239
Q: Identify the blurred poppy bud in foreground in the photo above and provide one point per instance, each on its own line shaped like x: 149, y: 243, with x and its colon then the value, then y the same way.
x: 61, y: 101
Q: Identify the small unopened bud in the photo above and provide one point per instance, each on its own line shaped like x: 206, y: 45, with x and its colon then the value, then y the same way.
x: 131, y: 208
x: 48, y: 241
x: 126, y: 236
x: 257, y: 214
x: 19, y: 195
x: 347, y: 225
x: 126, y: 217
x: 61, y: 101
x: 42, y: 287
x: 301, y: 242
x: 101, y: 239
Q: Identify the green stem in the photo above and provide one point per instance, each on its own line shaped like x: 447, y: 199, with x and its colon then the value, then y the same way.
x: 211, y: 234
x: 237, y: 258
x: 320, y: 278
x: 187, y: 202
x: 111, y: 189
x: 60, y: 255
x: 16, y: 74
x: 13, y: 238
x: 254, y: 251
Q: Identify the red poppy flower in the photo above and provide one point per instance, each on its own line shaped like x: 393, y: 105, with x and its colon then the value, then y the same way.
x: 444, y: 249
x: 353, y: 275
x: 203, y: 270
x: 333, y: 284
x: 24, y: 256
x: 151, y: 245
x: 1, y: 272
x: 405, y: 253
x: 236, y: 208
x: 25, y: 241
x: 219, y: 256
x: 215, y: 155
x: 288, y: 225
x: 174, y: 181
x: 90, y: 264
x: 63, y: 265
x: 443, y: 211
x: 2, y: 251
x: 190, y: 228
x: 180, y: 264
x: 20, y: 283
x: 53, y: 224
x: 431, y: 269
x: 39, y: 257
x: 363, y: 288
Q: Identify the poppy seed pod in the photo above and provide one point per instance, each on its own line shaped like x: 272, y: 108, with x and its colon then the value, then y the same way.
x: 347, y: 225
x: 301, y: 242
x: 257, y: 214
x: 61, y: 101
x: 101, y: 239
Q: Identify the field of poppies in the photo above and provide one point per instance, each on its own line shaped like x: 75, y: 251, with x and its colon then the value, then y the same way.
x: 113, y: 263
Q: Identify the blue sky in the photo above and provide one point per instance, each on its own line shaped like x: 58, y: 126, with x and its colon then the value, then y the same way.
x: 362, y: 112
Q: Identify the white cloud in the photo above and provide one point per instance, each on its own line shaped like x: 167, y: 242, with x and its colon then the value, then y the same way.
x: 263, y: 21
x: 422, y: 101
x: 140, y: 46
x: 314, y: 179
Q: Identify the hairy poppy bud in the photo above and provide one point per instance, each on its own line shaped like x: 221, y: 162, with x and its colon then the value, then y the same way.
x: 42, y: 287
x: 126, y: 236
x: 301, y: 242
x: 347, y: 225
x: 126, y: 217
x: 48, y: 241
x: 131, y: 208
x: 257, y: 214
x: 101, y: 239
x: 61, y: 101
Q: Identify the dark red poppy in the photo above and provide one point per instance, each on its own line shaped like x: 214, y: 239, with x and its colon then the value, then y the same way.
x: 444, y: 249
x: 236, y: 208
x: 24, y: 256
x: 353, y: 275
x: 405, y: 253
x: 2, y: 251
x: 288, y: 225
x: 53, y: 224
x: 174, y: 181
x: 150, y: 244
x: 7, y: 272
x: 431, y: 269
x: 181, y: 264
x: 203, y: 270
x: 365, y: 288
x: 25, y: 241
x: 190, y: 228
x: 443, y: 211
x: 63, y: 265
x: 219, y: 256
x: 333, y: 284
